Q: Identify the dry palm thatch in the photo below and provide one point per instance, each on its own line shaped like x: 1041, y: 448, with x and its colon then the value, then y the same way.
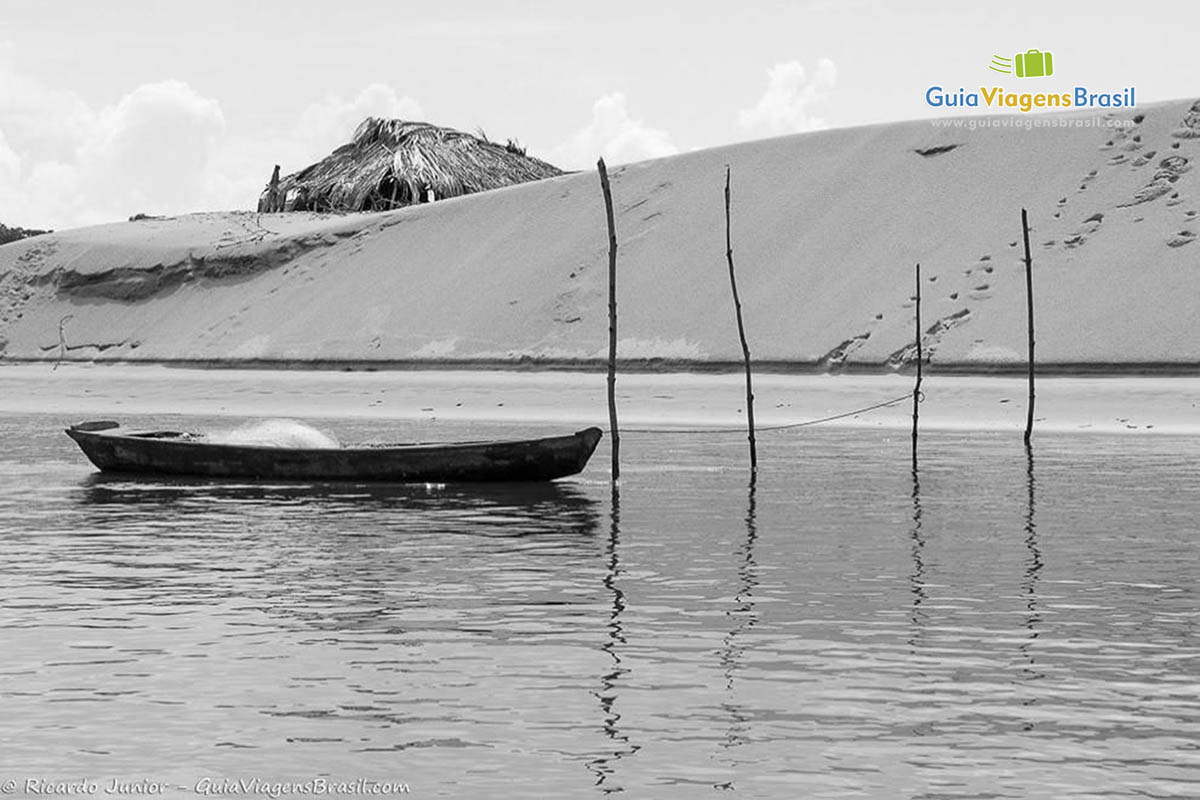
x: 392, y: 163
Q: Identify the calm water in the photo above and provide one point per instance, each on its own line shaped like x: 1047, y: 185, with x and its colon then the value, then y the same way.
x: 997, y: 629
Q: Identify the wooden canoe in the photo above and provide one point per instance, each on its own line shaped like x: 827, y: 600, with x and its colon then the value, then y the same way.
x: 177, y: 453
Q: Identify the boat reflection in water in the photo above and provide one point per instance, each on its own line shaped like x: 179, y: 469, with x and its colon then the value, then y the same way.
x: 102, y: 488
x: 509, y: 509
x: 357, y: 559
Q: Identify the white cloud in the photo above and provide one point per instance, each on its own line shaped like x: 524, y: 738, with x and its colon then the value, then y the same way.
x: 785, y: 107
x: 613, y: 135
x: 49, y: 196
x: 41, y: 122
x: 160, y: 149
x: 325, y: 125
x: 10, y: 162
x: 153, y: 150
x: 10, y: 173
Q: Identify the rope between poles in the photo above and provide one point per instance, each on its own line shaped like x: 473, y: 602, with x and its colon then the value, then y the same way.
x: 806, y: 423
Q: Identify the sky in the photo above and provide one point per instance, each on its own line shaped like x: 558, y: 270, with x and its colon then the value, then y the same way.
x: 119, y: 107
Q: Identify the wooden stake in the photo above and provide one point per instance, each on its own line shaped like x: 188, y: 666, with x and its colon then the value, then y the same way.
x: 612, y: 323
x: 920, y: 359
x: 1029, y: 301
x: 62, y: 339
x: 737, y: 305
x: 273, y: 202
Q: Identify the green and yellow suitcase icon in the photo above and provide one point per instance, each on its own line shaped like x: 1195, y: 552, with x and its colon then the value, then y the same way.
x: 1035, y: 64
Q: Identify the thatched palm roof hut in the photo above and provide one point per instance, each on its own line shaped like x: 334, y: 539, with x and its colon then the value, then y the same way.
x: 392, y: 163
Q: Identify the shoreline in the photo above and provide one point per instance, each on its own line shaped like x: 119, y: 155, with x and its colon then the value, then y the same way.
x: 440, y: 400
x: 643, y: 366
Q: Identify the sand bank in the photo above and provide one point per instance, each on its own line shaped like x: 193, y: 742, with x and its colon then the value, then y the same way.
x: 646, y: 401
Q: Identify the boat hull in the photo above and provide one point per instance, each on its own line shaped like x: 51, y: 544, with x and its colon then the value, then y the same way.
x: 172, y: 453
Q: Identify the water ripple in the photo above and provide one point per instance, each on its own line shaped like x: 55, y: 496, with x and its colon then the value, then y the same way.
x: 997, y: 625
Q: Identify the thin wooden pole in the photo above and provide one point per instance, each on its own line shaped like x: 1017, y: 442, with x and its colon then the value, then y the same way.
x: 62, y: 339
x: 612, y: 323
x: 1029, y: 301
x: 920, y: 360
x: 737, y: 305
x: 273, y: 203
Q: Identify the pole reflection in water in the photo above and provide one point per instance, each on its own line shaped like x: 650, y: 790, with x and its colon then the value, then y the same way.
x: 916, y: 581
x: 745, y: 617
x: 1033, y: 569
x: 602, y: 767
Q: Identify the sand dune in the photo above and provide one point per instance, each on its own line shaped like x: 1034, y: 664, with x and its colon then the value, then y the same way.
x: 826, y: 229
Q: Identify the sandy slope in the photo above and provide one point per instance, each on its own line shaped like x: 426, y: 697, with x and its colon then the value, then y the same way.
x: 826, y: 229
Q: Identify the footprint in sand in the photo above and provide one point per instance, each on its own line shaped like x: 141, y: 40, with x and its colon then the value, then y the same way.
x: 929, y: 340
x: 1086, y: 229
x: 836, y: 357
x: 1124, y: 143
x: 632, y: 206
x: 1169, y: 171
x: 1144, y: 159
x: 982, y: 264
x: 1189, y: 126
x: 928, y: 152
x: 1181, y: 238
